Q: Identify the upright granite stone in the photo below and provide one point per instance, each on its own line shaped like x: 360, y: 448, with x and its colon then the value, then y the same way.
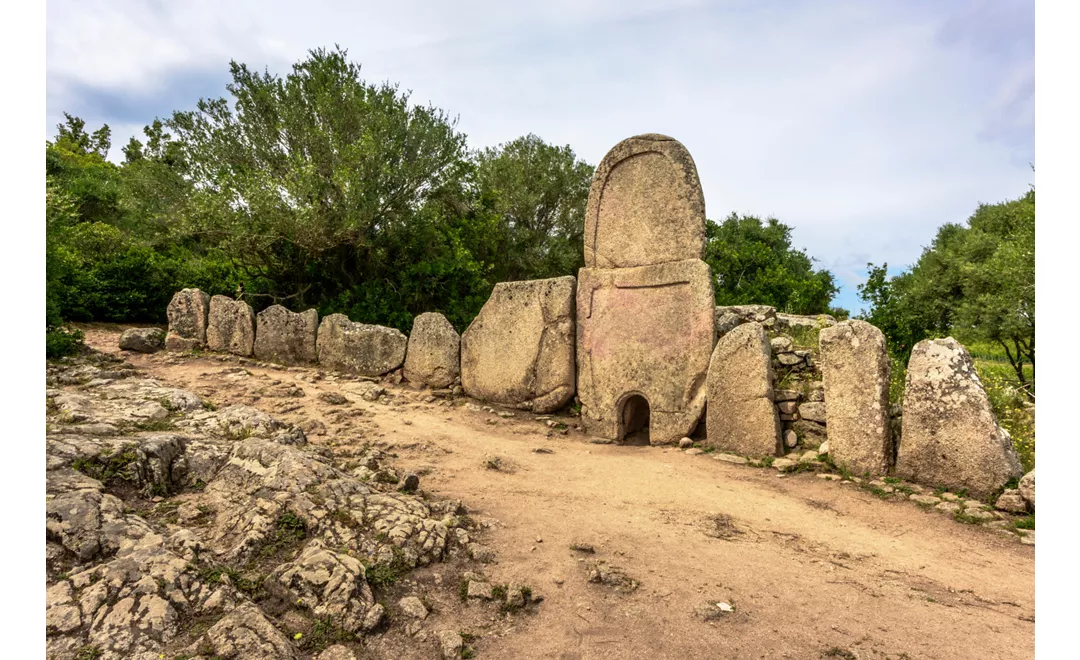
x: 742, y: 417
x: 359, y: 348
x: 188, y: 314
x: 434, y: 354
x: 286, y: 337
x: 950, y: 437
x: 519, y: 350
x: 644, y: 336
x: 645, y: 306
x: 855, y: 370
x: 645, y: 205
x: 232, y: 326
x: 1027, y: 489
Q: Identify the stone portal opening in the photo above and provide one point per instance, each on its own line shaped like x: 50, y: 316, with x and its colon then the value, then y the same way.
x: 634, y: 421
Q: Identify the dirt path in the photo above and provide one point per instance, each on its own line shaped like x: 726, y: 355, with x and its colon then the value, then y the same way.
x: 814, y: 568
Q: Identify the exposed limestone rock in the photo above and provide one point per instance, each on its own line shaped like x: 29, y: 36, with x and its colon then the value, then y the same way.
x: 359, y: 348
x: 413, y: 607
x: 450, y: 644
x: 741, y: 416
x: 1011, y: 501
x: 950, y: 435
x: 142, y: 340
x: 855, y: 369
x: 434, y: 355
x: 245, y: 634
x: 1027, y: 489
x: 644, y: 338
x: 328, y: 583
x: 519, y: 350
x: 286, y: 337
x: 188, y: 314
x: 232, y: 326
x: 645, y: 205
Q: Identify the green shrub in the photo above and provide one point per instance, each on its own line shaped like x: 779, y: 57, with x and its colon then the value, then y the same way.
x: 60, y: 342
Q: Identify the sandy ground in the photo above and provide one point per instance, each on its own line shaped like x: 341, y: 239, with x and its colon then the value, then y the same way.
x: 814, y: 568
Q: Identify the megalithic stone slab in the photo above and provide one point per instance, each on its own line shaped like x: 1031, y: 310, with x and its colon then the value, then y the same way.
x: 950, y: 436
x: 434, y: 354
x: 232, y: 326
x: 645, y: 205
x: 742, y: 417
x: 647, y: 332
x: 359, y: 348
x: 286, y: 337
x: 188, y: 314
x: 855, y: 370
x: 519, y: 350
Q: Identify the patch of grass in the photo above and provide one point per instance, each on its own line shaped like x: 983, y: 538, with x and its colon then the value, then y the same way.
x: 385, y: 574
x: 209, y: 405
x: 878, y: 491
x: 237, y: 434
x: 498, y: 592
x: 1010, y: 406
x: 89, y: 653
x: 468, y: 652
x: 325, y: 632
x: 289, y: 530
x: 248, y: 585
x: 156, y: 425
x: 463, y: 590
x: 837, y: 652
x: 768, y: 461
x: 966, y: 518
x: 109, y: 467
x: 1027, y: 522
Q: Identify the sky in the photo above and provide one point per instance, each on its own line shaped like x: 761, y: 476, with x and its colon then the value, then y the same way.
x: 864, y: 125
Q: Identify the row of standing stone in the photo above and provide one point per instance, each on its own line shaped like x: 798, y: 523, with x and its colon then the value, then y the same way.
x: 429, y: 356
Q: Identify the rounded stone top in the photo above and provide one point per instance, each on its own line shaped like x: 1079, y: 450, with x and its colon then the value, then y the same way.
x: 645, y: 205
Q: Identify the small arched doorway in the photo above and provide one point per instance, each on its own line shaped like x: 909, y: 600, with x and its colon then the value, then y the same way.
x: 634, y: 420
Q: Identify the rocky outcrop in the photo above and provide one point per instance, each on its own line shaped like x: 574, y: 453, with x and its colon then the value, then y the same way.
x: 359, y: 348
x: 787, y: 321
x: 142, y: 340
x: 232, y: 326
x: 286, y: 337
x: 188, y: 314
x: 434, y: 354
x: 741, y: 417
x: 950, y: 436
x: 730, y: 317
x: 328, y: 583
x: 519, y: 350
x: 855, y: 369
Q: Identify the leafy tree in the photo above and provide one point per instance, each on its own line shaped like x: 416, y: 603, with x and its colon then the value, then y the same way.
x: 753, y: 263
x: 975, y: 281
x: 539, y: 193
x: 308, y: 182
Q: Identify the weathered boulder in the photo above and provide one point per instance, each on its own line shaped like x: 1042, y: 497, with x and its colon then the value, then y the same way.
x: 232, y: 326
x: 519, y: 350
x: 286, y: 337
x: 741, y: 417
x: 950, y: 436
x: 1027, y: 489
x: 142, y: 340
x: 244, y: 634
x: 645, y: 205
x: 1011, y: 501
x: 855, y: 369
x: 188, y: 314
x: 359, y: 348
x: 327, y: 583
x: 785, y: 321
x: 434, y: 354
x: 644, y: 338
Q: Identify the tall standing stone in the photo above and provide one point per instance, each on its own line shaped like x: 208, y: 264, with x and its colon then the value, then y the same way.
x: 519, y: 350
x: 286, y: 337
x: 433, y: 357
x: 855, y: 370
x: 645, y: 306
x: 232, y: 326
x: 742, y: 416
x: 188, y: 314
x: 950, y: 437
x: 359, y: 348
